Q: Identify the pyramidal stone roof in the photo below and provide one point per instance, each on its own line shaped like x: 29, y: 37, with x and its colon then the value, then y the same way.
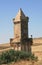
x: 20, y: 15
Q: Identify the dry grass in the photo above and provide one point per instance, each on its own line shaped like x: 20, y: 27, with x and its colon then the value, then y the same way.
x: 3, y: 46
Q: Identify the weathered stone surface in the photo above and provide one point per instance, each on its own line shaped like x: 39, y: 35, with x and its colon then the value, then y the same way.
x: 21, y: 32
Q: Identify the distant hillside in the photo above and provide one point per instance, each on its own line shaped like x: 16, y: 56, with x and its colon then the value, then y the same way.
x: 5, y: 45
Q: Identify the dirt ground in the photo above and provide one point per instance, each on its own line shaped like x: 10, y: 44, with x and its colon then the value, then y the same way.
x: 25, y: 63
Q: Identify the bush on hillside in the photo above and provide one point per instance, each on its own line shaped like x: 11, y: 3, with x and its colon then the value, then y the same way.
x: 12, y: 55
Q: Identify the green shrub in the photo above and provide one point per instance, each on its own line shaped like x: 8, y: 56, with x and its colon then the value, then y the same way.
x: 11, y: 55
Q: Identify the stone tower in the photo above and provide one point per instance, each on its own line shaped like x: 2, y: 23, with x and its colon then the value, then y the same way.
x: 20, y: 26
x: 21, y: 40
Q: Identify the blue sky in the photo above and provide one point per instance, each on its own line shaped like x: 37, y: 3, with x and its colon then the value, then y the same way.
x: 9, y: 9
